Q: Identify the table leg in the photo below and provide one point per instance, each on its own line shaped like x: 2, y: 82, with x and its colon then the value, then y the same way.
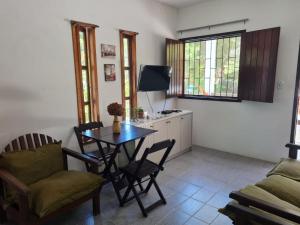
x: 130, y: 159
x: 112, y: 177
x: 126, y: 152
x: 108, y: 165
x: 136, y: 151
x: 138, y: 147
x: 101, y: 150
x: 111, y: 160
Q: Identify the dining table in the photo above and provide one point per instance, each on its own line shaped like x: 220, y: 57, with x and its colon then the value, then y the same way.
x: 105, y: 135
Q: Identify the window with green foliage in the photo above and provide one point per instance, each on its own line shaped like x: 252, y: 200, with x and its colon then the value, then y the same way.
x: 84, y: 47
x: 127, y: 76
x: 128, y: 72
x: 211, y: 66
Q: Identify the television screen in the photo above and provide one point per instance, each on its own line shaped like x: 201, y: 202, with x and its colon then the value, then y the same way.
x: 154, y: 78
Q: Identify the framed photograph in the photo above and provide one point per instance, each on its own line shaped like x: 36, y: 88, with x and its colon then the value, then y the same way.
x: 110, y: 72
x: 108, y: 50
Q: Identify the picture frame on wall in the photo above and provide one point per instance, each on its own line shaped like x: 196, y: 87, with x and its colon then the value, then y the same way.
x: 108, y: 50
x: 110, y: 72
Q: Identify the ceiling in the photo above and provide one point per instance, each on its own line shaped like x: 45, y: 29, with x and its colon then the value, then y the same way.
x: 181, y: 3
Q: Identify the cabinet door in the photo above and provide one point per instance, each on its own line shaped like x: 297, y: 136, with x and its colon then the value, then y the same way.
x: 148, y: 142
x: 162, y: 131
x: 174, y: 133
x: 160, y: 135
x: 186, y: 131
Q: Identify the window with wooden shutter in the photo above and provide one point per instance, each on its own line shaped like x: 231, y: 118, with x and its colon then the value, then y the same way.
x: 84, y: 47
x: 128, y: 72
x: 211, y: 66
x: 258, y: 65
x: 175, y: 59
x: 228, y: 67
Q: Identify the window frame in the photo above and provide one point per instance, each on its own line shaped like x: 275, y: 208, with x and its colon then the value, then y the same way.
x: 90, y: 67
x: 132, y: 68
x: 204, y: 38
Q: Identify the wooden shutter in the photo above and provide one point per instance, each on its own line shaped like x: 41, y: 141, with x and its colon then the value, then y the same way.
x: 258, y: 64
x: 91, y: 70
x: 175, y: 59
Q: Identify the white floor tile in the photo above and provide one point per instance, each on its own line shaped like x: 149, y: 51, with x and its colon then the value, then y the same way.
x: 194, y: 184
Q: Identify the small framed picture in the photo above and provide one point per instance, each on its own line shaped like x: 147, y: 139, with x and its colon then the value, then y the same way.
x: 110, y: 72
x: 108, y: 50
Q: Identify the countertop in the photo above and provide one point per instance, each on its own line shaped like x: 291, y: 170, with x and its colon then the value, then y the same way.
x: 142, y: 122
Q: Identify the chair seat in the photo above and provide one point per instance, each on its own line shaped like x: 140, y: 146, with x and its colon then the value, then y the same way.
x: 97, y: 155
x: 60, y: 189
x: 146, y: 169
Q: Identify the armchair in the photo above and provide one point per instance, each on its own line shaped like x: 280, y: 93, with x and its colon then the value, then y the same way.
x: 36, y: 185
x: 273, y: 201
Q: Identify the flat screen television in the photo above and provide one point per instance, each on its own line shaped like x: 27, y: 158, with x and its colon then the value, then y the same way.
x: 154, y: 78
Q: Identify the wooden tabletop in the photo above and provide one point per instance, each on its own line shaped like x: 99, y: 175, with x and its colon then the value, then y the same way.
x: 128, y: 133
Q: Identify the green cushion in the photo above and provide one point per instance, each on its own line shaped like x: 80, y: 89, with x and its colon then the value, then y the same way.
x: 60, y: 189
x: 32, y: 165
x: 288, y: 168
x: 257, y: 192
x: 282, y: 187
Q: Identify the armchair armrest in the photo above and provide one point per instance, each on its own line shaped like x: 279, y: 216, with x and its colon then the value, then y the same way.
x: 82, y: 157
x: 22, y: 198
x: 14, y: 183
x: 293, y: 146
x: 293, y: 150
x: 245, y: 214
x: 247, y: 200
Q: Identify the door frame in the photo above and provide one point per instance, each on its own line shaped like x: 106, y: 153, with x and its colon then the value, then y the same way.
x: 295, y: 106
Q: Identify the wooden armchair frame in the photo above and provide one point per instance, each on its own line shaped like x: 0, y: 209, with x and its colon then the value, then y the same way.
x: 243, y: 207
x: 20, y: 211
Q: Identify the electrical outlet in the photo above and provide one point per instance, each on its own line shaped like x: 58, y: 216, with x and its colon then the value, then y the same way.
x: 280, y: 85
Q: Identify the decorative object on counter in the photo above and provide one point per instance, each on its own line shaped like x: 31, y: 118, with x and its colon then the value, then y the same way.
x: 110, y: 72
x: 140, y: 113
x: 108, y: 50
x: 115, y: 109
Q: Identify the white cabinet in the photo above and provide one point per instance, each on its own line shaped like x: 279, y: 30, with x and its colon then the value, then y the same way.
x: 186, y: 131
x: 173, y: 128
x: 151, y: 139
x: 162, y: 131
x: 178, y: 127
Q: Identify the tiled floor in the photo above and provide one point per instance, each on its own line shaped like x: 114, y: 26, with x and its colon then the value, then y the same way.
x: 195, y: 184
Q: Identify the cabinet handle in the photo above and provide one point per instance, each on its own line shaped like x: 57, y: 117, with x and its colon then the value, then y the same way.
x: 182, y: 118
x: 152, y: 126
x: 168, y: 122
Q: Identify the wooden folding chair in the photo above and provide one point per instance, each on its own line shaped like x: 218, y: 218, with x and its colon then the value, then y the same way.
x: 136, y: 171
x: 99, y: 154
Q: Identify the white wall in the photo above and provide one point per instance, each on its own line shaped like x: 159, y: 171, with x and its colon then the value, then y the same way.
x: 258, y: 130
x: 37, y: 84
x: 37, y: 81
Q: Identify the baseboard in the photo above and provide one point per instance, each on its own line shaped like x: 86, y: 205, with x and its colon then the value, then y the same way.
x: 180, y: 153
x: 232, y: 153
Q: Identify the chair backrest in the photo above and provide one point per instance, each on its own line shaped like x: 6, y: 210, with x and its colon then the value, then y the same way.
x: 83, y: 127
x: 166, y: 146
x: 29, y: 141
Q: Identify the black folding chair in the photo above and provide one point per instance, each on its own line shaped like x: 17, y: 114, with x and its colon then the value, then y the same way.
x: 136, y: 171
x: 83, y: 141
